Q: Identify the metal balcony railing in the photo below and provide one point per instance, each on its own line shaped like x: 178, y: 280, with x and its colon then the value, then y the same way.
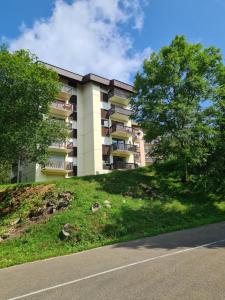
x: 123, y: 165
x: 62, y: 145
x: 68, y: 89
x: 62, y: 106
x: 119, y: 93
x: 118, y: 127
x: 124, y: 147
x: 119, y: 165
x: 58, y: 145
x: 58, y: 165
x: 120, y: 110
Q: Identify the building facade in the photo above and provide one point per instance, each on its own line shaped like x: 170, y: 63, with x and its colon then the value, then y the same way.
x: 102, y: 135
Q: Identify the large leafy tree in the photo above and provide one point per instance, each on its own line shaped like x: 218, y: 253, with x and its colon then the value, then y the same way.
x: 27, y: 88
x: 215, y: 165
x: 174, y: 102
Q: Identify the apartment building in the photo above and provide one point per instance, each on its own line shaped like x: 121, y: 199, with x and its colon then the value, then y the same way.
x: 102, y: 135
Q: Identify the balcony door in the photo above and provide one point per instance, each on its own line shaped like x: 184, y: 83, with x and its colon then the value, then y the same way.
x: 118, y: 141
x: 118, y: 159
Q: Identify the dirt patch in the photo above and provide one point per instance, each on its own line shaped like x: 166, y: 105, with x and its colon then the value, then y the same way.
x: 12, y: 198
x: 47, y: 202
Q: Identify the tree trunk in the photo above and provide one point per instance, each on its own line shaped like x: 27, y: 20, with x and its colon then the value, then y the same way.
x: 18, y: 171
x: 184, y: 178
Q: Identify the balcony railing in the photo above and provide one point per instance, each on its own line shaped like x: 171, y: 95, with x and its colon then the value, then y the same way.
x: 123, y: 165
x: 58, y: 145
x: 68, y: 89
x: 115, y: 92
x: 119, y: 165
x: 119, y: 110
x: 58, y: 165
x: 62, y: 145
x: 62, y: 106
x: 124, y: 147
x: 121, y: 128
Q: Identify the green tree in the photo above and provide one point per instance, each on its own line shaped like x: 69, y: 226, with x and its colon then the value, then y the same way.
x: 27, y: 88
x: 174, y: 102
x: 215, y: 167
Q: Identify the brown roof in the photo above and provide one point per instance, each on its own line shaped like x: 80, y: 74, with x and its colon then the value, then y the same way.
x: 90, y: 77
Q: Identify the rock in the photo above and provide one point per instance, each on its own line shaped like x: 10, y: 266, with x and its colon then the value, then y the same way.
x: 107, y: 204
x: 95, y: 207
x: 50, y: 204
x: 69, y: 232
x: 50, y: 210
x: 63, y: 235
x: 16, y: 221
x: 128, y: 194
x: 62, y: 203
x: 5, y: 236
x: 67, y: 196
x: 148, y: 190
x: 36, y: 214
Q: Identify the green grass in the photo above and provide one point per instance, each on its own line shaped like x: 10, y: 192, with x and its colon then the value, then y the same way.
x: 130, y: 217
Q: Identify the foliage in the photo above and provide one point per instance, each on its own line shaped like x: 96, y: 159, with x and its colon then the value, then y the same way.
x: 175, y: 98
x: 4, y: 172
x: 27, y: 88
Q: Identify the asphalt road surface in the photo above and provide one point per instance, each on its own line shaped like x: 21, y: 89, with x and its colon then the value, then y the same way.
x: 187, y: 264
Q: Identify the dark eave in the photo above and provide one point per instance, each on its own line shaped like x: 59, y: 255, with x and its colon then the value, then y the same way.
x: 65, y: 73
x: 90, y: 78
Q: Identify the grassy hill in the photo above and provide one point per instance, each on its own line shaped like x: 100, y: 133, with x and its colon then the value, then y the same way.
x: 133, y: 204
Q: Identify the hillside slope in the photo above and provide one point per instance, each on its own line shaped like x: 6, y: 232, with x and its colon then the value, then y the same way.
x: 94, y: 211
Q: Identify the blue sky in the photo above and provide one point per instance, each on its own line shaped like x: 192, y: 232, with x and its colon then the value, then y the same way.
x: 200, y: 20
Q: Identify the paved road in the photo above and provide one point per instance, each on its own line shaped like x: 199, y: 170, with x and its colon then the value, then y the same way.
x: 188, y: 264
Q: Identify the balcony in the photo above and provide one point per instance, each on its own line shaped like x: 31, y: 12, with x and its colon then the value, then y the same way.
x: 119, y: 96
x: 136, y: 135
x: 57, y: 167
x: 120, y: 113
x: 62, y: 109
x: 120, y: 149
x: 66, y: 92
x: 121, y: 131
x: 121, y: 165
x: 148, y: 160
x: 61, y: 147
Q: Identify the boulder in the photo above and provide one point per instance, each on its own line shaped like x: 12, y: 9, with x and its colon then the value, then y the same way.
x: 69, y: 232
x: 36, y: 214
x: 107, y: 204
x: 95, y: 207
x: 63, y: 203
x: 66, y: 196
x: 50, y: 210
x: 128, y: 194
x: 64, y: 235
x: 16, y: 221
x: 5, y: 236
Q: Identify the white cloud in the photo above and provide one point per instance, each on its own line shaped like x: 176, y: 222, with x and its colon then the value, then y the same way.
x: 87, y: 37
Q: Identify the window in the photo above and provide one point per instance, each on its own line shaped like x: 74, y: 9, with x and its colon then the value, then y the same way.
x: 104, y: 97
x: 105, y: 122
